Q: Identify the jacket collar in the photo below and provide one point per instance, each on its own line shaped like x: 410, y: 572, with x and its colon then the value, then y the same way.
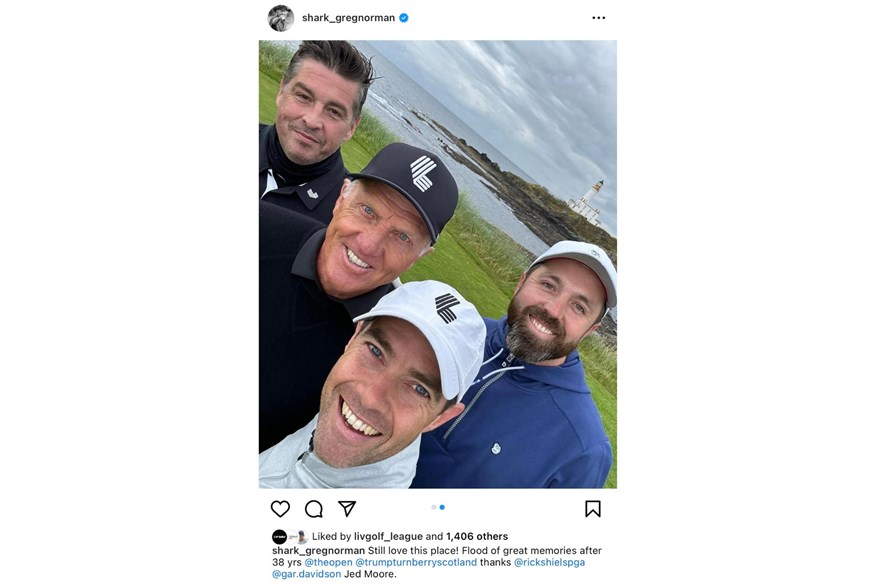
x: 569, y: 375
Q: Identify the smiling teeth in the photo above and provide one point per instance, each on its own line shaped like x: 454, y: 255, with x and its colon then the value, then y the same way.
x: 539, y: 327
x: 356, y: 423
x: 355, y: 259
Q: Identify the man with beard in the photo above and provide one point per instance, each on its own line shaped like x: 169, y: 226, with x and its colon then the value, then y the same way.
x: 411, y: 358
x: 529, y: 419
x: 319, y: 106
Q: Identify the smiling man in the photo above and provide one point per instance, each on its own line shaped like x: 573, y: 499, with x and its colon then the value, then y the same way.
x: 410, y: 360
x: 530, y: 420
x: 314, y: 279
x: 319, y: 106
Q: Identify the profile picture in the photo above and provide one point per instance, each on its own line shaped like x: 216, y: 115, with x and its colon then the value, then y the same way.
x: 280, y: 18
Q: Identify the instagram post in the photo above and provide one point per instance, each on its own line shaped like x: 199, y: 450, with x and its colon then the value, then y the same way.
x: 547, y: 292
x: 431, y: 315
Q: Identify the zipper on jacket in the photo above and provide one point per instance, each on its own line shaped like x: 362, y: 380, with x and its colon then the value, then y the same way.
x: 498, y: 373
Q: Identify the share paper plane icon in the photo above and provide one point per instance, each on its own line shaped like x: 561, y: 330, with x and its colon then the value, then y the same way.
x: 347, y: 506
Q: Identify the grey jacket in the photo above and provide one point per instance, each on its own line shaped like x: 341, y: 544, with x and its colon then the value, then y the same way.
x: 291, y: 464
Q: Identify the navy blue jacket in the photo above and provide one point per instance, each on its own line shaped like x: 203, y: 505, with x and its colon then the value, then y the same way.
x: 524, y: 426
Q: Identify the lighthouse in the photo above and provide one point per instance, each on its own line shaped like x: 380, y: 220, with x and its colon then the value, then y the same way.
x: 592, y: 192
x: 584, y: 206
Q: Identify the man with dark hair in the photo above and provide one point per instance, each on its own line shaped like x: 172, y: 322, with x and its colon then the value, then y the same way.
x: 319, y: 106
x: 529, y: 419
x: 313, y: 279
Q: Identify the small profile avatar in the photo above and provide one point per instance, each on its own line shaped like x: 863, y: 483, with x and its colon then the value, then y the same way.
x: 301, y: 538
x: 280, y: 18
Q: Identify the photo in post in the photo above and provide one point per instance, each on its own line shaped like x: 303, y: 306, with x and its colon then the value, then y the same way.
x: 471, y: 179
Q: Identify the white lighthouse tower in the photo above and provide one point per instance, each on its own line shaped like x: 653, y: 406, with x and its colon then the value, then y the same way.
x: 584, y: 206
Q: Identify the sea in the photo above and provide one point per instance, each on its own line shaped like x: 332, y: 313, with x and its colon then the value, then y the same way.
x: 394, y: 96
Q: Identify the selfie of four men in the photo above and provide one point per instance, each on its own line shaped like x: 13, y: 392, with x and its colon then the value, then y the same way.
x: 366, y: 381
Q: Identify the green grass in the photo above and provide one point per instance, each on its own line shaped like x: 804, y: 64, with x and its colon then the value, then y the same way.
x: 274, y: 58
x: 268, y: 88
x: 454, y: 262
x: 474, y: 257
x: 370, y: 137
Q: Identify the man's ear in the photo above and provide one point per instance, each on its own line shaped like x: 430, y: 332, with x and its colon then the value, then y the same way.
x: 591, y: 329
x: 447, y: 414
x: 520, y: 282
x: 345, y: 190
x: 426, y: 251
x: 352, y: 130
x: 355, y: 334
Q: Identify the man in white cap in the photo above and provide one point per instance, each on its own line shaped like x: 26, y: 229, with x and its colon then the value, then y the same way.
x: 529, y: 419
x: 410, y: 360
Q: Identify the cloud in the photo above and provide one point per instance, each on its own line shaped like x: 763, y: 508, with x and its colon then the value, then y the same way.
x: 550, y: 107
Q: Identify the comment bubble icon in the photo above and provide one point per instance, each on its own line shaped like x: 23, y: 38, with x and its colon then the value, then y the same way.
x: 313, y: 508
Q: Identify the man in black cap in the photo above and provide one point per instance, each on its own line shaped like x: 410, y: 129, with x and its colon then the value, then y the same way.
x: 314, y: 279
x: 319, y: 106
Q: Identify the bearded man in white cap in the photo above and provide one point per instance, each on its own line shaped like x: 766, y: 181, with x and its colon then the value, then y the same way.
x: 410, y: 360
x: 529, y: 419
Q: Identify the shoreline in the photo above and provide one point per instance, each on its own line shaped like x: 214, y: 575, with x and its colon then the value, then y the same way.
x: 549, y: 218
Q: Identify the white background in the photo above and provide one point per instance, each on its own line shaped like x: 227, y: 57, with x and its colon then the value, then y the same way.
x: 129, y: 360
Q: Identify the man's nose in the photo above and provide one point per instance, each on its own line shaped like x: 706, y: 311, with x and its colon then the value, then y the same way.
x: 313, y: 117
x: 553, y: 306
x: 374, y: 390
x: 372, y: 240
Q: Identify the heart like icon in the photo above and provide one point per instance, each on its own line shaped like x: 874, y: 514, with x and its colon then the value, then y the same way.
x: 280, y: 508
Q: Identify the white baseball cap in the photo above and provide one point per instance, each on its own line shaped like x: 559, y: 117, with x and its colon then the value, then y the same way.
x: 592, y: 256
x: 449, y: 322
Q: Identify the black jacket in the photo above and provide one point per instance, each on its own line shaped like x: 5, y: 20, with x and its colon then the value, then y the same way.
x: 302, y: 331
x: 312, y: 191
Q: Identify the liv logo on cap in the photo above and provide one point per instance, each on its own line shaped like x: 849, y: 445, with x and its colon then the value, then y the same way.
x: 443, y: 304
x: 411, y: 172
x: 419, y: 169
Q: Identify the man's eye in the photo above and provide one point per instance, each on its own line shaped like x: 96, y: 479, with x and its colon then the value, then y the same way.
x: 547, y: 285
x: 375, y: 350
x: 367, y: 210
x: 579, y: 309
x: 422, y: 391
x: 404, y: 237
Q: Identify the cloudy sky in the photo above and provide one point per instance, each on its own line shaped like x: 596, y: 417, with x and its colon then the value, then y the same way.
x: 550, y: 107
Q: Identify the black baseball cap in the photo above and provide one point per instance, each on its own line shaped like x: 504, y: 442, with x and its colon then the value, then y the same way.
x: 421, y: 178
